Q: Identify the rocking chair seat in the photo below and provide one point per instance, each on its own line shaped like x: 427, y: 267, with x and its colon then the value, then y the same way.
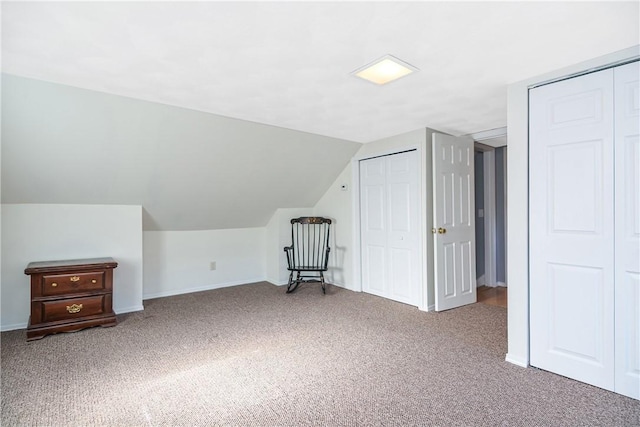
x: 309, y: 268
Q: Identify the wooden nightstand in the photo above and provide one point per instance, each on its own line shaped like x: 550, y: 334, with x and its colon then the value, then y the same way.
x: 70, y: 295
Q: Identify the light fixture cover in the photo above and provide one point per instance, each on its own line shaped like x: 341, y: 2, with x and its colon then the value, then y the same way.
x: 384, y: 70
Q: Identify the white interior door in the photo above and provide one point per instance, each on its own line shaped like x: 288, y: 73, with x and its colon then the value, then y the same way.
x: 454, y: 221
x: 627, y: 230
x: 571, y: 228
x: 390, y: 236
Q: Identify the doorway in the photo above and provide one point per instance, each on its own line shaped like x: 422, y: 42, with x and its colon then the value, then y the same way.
x: 491, y: 220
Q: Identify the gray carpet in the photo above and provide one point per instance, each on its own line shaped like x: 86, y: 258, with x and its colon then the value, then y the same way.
x: 252, y: 356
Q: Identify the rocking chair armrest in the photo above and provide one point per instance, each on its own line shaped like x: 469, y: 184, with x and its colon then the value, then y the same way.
x: 288, y: 250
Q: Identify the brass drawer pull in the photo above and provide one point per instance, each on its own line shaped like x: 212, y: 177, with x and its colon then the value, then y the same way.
x: 75, y: 278
x: 74, y: 308
x: 94, y: 281
x: 53, y: 285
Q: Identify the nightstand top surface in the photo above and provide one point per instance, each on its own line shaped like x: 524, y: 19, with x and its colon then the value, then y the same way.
x: 40, y: 266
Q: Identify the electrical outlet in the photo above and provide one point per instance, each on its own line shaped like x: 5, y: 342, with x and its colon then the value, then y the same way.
x: 212, y: 265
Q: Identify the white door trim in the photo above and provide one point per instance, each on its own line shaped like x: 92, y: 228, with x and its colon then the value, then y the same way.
x: 486, y: 136
x: 422, y: 202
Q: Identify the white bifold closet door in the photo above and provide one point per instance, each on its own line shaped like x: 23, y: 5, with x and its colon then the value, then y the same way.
x: 390, y: 236
x: 627, y: 229
x: 583, y: 179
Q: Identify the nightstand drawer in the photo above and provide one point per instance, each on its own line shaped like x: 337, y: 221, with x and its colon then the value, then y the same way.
x: 68, y: 309
x: 59, y: 284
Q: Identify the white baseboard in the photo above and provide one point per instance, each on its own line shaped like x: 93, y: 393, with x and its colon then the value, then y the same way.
x: 129, y: 309
x: 494, y: 285
x: 480, y: 281
x: 501, y: 284
x: 275, y: 282
x: 173, y: 292
x: 13, y: 327
x: 517, y: 361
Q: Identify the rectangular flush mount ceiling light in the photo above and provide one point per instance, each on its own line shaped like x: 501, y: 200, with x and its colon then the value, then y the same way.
x: 384, y: 70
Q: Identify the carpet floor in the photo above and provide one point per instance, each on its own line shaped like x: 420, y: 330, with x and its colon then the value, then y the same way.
x: 253, y: 356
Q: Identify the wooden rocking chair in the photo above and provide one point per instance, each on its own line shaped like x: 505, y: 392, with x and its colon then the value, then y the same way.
x: 308, y: 254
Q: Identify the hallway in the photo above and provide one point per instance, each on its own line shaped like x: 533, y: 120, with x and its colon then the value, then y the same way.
x: 493, y: 295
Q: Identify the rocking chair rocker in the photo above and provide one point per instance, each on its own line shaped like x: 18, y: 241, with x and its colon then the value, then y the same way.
x: 308, y: 254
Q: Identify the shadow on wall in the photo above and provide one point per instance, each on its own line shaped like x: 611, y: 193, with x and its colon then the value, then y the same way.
x: 336, y: 263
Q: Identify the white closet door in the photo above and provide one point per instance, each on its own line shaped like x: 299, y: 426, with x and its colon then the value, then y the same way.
x: 389, y: 227
x: 571, y: 228
x: 627, y: 230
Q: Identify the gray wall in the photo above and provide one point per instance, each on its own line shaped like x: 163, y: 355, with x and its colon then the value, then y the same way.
x: 500, y: 154
x: 189, y: 170
x: 479, y: 193
x: 500, y: 177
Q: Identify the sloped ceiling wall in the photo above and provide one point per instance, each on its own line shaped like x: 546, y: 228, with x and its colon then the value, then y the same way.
x: 189, y: 170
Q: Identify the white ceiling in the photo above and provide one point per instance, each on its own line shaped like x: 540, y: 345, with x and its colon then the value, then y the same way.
x: 287, y: 63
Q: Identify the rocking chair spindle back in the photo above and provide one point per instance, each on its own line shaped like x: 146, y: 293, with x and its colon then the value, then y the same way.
x: 309, y: 251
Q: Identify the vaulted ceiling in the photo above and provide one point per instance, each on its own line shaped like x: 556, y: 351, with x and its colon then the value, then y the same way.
x: 215, y: 114
x: 288, y: 64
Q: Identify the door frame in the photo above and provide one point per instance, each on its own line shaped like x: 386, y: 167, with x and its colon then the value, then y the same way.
x: 518, y: 195
x: 487, y: 142
x: 423, y: 254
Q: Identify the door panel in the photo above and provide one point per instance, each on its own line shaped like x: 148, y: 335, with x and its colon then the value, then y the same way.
x: 464, y: 195
x: 375, y: 256
x: 399, y: 215
x: 627, y: 230
x: 468, y: 276
x: 389, y: 227
x: 401, y: 273
x: 575, y: 187
x: 374, y: 202
x: 454, y: 222
x: 578, y: 335
x: 571, y: 228
x: 449, y: 261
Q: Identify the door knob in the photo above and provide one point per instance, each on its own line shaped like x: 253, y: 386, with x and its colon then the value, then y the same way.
x: 442, y: 230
